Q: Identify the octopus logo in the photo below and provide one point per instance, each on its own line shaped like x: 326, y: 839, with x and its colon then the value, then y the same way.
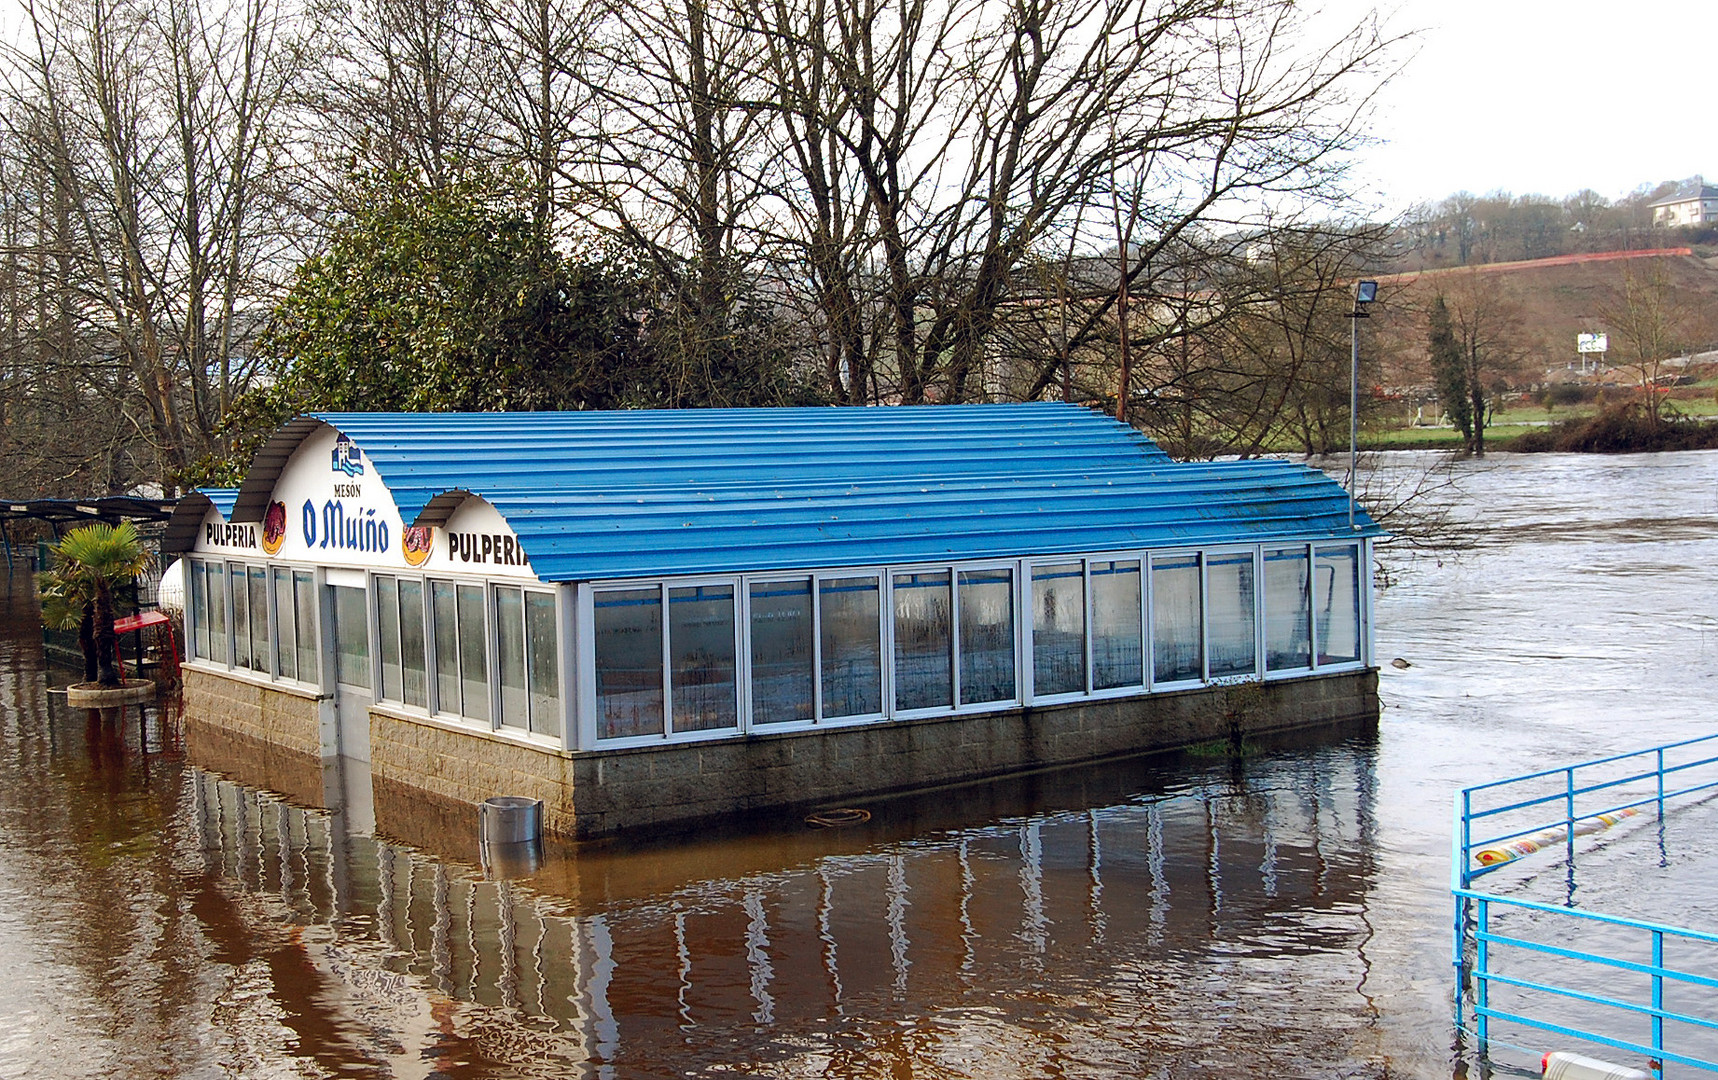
x: 416, y: 542
x: 274, y: 528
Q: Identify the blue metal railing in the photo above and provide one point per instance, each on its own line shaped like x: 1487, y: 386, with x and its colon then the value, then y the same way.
x: 1577, y: 796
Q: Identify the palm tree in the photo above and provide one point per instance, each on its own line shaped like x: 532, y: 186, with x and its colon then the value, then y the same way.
x: 88, y: 563
x: 68, y: 604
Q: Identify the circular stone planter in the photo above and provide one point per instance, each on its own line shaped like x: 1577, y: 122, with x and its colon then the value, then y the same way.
x: 93, y: 696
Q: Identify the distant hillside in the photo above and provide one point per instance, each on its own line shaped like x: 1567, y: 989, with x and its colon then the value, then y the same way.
x: 1548, y: 300
x: 1469, y: 230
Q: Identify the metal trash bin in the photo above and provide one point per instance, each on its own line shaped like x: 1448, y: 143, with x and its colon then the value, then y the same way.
x: 510, y: 819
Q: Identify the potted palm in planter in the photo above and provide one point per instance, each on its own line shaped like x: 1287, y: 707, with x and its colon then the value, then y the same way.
x: 89, y: 563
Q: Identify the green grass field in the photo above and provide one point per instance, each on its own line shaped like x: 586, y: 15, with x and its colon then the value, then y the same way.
x: 1511, y: 422
x: 1424, y: 438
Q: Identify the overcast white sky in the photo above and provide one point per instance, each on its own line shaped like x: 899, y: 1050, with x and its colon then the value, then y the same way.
x: 1536, y: 96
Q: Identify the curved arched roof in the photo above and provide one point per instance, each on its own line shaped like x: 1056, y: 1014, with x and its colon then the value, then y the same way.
x: 181, y: 532
x: 596, y: 495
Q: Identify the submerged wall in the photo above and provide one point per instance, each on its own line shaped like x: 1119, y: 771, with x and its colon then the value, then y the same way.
x: 266, y: 734
x: 675, y: 785
x: 672, y: 785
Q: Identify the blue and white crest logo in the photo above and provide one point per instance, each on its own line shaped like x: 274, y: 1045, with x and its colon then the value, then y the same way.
x: 346, y: 457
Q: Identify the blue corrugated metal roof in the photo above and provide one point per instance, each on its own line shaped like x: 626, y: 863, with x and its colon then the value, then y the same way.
x: 181, y: 532
x: 598, y: 495
x: 223, y: 498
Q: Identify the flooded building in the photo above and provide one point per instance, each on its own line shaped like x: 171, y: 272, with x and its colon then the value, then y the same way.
x: 658, y: 618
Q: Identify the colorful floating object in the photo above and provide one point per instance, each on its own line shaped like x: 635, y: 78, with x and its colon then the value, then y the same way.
x: 1527, y: 845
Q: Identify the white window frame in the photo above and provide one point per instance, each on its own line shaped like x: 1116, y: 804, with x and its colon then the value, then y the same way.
x: 580, y: 721
x: 748, y: 720
x: 432, y: 682
x: 1306, y: 547
x: 1013, y: 568
x: 1206, y: 555
x: 1204, y: 677
x: 890, y: 708
x: 1142, y: 557
x: 492, y: 619
x: 1027, y: 662
x: 1362, y: 603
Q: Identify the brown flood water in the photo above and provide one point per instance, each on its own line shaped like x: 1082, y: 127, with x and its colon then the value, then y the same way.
x: 1285, y: 915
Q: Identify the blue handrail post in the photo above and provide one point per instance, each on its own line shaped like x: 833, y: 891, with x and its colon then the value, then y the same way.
x: 1466, y: 836
x: 1569, y: 817
x: 1482, y: 976
x: 1661, y: 785
x: 1458, y: 884
x: 1658, y: 1001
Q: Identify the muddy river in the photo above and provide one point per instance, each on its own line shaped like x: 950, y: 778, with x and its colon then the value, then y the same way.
x: 1281, y: 915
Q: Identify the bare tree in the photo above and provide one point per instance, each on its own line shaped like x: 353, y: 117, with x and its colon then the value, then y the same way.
x: 914, y: 200
x: 1653, y: 323
x: 1485, y: 350
x: 151, y: 126
x: 403, y: 86
x: 537, y: 48
x: 679, y: 166
x: 943, y: 143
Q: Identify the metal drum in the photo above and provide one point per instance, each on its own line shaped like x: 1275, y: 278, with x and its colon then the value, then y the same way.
x: 510, y: 819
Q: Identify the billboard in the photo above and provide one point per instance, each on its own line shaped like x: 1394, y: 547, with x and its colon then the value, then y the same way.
x: 1588, y: 343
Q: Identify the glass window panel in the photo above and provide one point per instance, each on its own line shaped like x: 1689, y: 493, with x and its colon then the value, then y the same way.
x: 285, y: 622
x: 1288, y: 626
x: 473, y: 654
x: 852, y: 645
x: 542, y: 645
x: 628, y: 632
x: 1337, y: 601
x: 351, y: 637
x: 200, y: 610
x: 444, y: 615
x: 1118, y: 647
x: 413, y: 690
x: 218, y: 614
x: 701, y: 647
x: 388, y: 627
x: 1229, y: 599
x: 259, y: 619
x: 241, y: 616
x: 1058, y: 629
x: 986, y: 636
x: 1175, y: 619
x: 782, y: 660
x: 924, y: 676
x: 510, y: 657
x: 304, y: 619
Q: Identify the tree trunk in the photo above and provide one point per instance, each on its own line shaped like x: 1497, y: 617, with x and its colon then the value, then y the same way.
x: 1479, y: 417
x: 106, y: 641
x: 86, y: 641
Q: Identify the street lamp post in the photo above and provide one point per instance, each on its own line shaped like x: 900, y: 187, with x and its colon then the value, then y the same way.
x: 1364, y: 293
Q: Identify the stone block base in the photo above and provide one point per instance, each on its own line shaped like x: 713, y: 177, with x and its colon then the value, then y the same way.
x: 681, y: 785
x: 271, y: 737
x: 268, y: 714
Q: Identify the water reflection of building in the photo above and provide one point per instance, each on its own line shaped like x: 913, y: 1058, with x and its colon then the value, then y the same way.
x: 1144, y: 924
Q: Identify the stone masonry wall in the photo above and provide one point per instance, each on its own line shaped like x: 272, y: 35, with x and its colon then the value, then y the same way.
x: 678, y: 784
x: 264, y: 735
x: 592, y: 794
x: 272, y: 715
x: 453, y: 764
